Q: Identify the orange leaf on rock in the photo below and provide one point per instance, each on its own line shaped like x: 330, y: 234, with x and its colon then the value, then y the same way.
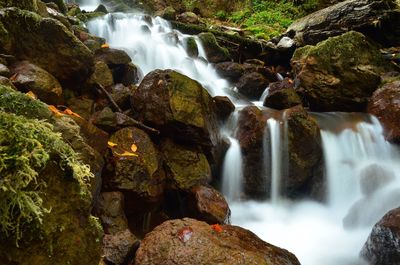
x: 54, y: 110
x: 134, y: 148
x: 71, y: 113
x: 31, y: 95
x: 105, y: 46
x: 217, y: 228
x: 126, y: 153
x: 111, y: 144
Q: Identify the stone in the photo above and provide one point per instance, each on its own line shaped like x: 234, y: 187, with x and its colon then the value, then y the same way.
x: 191, y: 47
x: 29, y: 77
x: 252, y: 85
x: 187, y: 241
x: 60, y: 4
x: 30, y: 5
x: 281, y: 95
x: 119, y: 248
x: 188, y: 17
x: 112, y: 56
x: 168, y: 13
x: 102, y: 9
x: 62, y: 55
x: 136, y: 165
x: 7, y: 82
x: 4, y: 71
x: 379, y: 20
x: 122, y: 95
x: 339, y: 74
x: 105, y: 119
x: 385, y: 105
x: 224, y: 107
x: 83, y: 106
x: 102, y: 75
x: 230, y: 70
x: 214, y: 52
x: 127, y: 74
x: 383, y: 244
x: 110, y: 210
x: 178, y: 106
x: 185, y: 167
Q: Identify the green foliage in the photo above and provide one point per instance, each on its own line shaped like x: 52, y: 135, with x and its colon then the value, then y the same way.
x: 26, y: 146
x: 222, y: 15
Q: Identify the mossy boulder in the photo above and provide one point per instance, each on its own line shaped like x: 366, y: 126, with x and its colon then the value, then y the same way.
x: 136, y: 165
x: 178, y: 106
x: 339, y: 74
x: 31, y: 5
x: 60, y: 4
x: 26, y: 35
x: 281, y: 95
x: 191, y: 47
x: 214, y: 52
x: 46, y: 196
x: 186, y: 167
x: 102, y: 75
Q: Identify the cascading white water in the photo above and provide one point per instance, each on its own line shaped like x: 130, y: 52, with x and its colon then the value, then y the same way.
x: 153, y: 44
x: 335, y: 232
x: 88, y: 5
x: 275, y: 156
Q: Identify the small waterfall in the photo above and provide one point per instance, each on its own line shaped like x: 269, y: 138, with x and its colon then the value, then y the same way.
x: 88, y: 5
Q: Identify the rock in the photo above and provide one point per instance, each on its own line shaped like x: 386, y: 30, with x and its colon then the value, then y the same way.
x: 122, y: 95
x: 7, y: 82
x: 60, y: 4
x: 102, y: 9
x: 230, y: 70
x: 379, y: 20
x: 252, y: 85
x: 207, y: 204
x: 112, y: 56
x: 385, y: 105
x: 59, y: 16
x: 30, y: 5
x: 191, y: 47
x: 168, y: 13
x: 224, y: 107
x: 373, y: 178
x: 281, y: 95
x: 215, y: 53
x: 82, y: 106
x: 285, y: 43
x: 188, y: 17
x: 339, y: 74
x: 136, y: 165
x: 188, y: 241
x: 110, y: 209
x: 4, y: 71
x: 120, y: 248
x: 127, y: 74
x: 102, y: 75
x: 29, y: 77
x: 105, y: 119
x: 383, y: 244
x: 178, y: 106
x: 62, y: 55
x: 185, y: 167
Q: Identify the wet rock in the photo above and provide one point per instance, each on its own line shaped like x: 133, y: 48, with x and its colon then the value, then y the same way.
x: 60, y: 4
x: 188, y: 17
x: 383, y: 244
x: 59, y: 16
x: 102, y: 75
x: 230, y: 70
x: 215, y: 53
x: 62, y: 55
x: 29, y: 77
x: 4, y: 71
x: 379, y: 20
x: 373, y: 178
x: 119, y: 248
x: 186, y: 167
x: 188, y: 241
x: 282, y: 95
x: 7, y: 82
x: 285, y: 43
x: 339, y: 74
x: 224, y: 107
x: 178, y: 106
x: 105, y: 119
x: 102, y: 9
x: 191, y: 47
x: 136, y: 165
x: 29, y: 5
x: 112, y: 56
x: 168, y: 13
x: 385, y: 105
x: 110, y: 209
x: 82, y: 106
x: 252, y: 85
x: 127, y: 74
x: 207, y: 204
x: 122, y: 95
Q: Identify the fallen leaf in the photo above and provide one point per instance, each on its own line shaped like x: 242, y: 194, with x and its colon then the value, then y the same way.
x: 14, y: 77
x: 55, y: 110
x: 71, y: 113
x: 111, y: 144
x: 134, y: 148
x: 31, y: 95
x: 217, y: 228
x: 126, y: 153
x: 105, y: 46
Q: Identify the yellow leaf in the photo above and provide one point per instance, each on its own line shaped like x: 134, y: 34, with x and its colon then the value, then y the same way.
x: 126, y: 153
x: 71, y: 113
x: 111, y: 144
x: 31, y: 95
x: 134, y: 148
x: 105, y: 46
x: 55, y: 110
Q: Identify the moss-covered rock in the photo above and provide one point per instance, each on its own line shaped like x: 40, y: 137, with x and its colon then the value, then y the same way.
x: 185, y: 167
x: 31, y: 5
x: 178, y: 106
x: 46, y: 190
x: 338, y: 74
x: 191, y: 47
x: 26, y: 35
x: 281, y: 95
x: 60, y: 4
x: 215, y: 53
x: 102, y: 75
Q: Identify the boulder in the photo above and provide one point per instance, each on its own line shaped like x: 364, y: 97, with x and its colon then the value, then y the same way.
x: 187, y: 241
x: 102, y: 9
x: 110, y: 210
x: 281, y: 95
x: 30, y: 5
x: 62, y: 55
x: 6, y: 82
x: 134, y: 165
x: 60, y: 4
x: 119, y: 248
x: 224, y: 107
x: 191, y: 47
x: 122, y: 95
x: 102, y: 75
x: 385, y: 105
x: 383, y: 244
x: 168, y: 13
x: 214, y: 52
x: 178, y: 106
x: 127, y: 74
x: 339, y: 74
x: 377, y: 19
x: 4, y: 71
x: 185, y: 167
x: 252, y: 85
x: 29, y: 77
x: 112, y: 56
x: 230, y: 70
x: 84, y: 107
x: 188, y: 17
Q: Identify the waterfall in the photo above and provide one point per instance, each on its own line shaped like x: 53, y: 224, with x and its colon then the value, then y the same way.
x: 88, y: 5
x: 232, y: 171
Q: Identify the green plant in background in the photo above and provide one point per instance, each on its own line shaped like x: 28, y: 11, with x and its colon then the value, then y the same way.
x: 26, y: 146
